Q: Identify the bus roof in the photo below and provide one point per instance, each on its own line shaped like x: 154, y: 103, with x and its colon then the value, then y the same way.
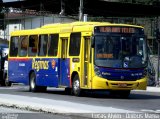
x: 85, y: 24
x: 68, y: 27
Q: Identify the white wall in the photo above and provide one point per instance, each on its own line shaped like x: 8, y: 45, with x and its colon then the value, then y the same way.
x: 35, y: 22
x: 31, y: 23
x: 5, y: 34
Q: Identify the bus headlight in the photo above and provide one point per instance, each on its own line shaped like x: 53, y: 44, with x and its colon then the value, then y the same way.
x: 97, y: 71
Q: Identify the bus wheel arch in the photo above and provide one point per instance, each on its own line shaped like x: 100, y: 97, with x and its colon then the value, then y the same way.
x: 76, y: 90
x: 33, y: 87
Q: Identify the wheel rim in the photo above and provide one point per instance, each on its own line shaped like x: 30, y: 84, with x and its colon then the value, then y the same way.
x: 76, y: 86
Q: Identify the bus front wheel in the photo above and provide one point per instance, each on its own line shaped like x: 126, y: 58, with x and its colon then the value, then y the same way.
x: 76, y: 86
x: 121, y: 93
x: 125, y: 93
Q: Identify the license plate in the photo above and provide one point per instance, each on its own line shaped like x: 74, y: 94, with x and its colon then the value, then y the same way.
x: 122, y: 85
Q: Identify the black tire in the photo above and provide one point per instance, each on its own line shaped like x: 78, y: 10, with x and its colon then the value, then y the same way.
x: 68, y: 91
x: 2, y: 81
x: 32, y: 84
x: 42, y: 88
x: 121, y: 93
x: 7, y: 83
x: 76, y: 90
x: 124, y: 94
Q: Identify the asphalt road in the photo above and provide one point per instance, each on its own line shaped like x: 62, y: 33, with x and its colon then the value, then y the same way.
x: 139, y: 101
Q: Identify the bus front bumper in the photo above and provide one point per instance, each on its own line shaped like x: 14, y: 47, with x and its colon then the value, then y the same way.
x: 100, y: 83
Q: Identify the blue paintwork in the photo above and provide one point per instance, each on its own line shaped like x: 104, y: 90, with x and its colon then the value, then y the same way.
x: 121, y: 74
x: 64, y: 73
x: 18, y: 71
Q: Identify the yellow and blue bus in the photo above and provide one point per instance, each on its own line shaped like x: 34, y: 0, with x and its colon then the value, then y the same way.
x: 80, y: 56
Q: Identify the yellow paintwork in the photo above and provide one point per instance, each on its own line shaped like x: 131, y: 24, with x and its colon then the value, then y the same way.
x: 100, y: 83
x: 66, y: 27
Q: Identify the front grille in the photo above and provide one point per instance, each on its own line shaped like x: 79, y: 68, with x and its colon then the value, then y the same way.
x: 122, y: 78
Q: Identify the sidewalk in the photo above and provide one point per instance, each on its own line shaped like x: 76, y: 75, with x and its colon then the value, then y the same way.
x: 54, y: 106
x: 153, y: 89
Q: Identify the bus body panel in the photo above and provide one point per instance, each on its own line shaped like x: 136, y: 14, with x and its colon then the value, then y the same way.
x: 101, y: 83
x: 18, y: 70
x: 47, y: 71
x: 119, y: 79
x: 65, y: 72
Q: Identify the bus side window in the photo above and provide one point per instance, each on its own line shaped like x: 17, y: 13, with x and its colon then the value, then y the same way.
x: 32, y: 50
x: 42, y: 45
x: 53, y: 45
x: 14, y: 46
x: 74, y: 46
x: 23, y: 46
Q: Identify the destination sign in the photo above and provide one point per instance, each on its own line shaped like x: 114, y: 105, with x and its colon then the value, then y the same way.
x: 117, y: 29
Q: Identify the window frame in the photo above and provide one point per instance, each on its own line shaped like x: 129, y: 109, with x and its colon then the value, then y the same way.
x: 10, y: 49
x: 38, y: 52
x: 51, y: 54
x: 71, y: 44
x: 36, y: 45
x: 19, y: 48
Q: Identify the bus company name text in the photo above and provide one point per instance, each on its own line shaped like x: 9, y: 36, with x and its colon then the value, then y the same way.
x: 40, y: 64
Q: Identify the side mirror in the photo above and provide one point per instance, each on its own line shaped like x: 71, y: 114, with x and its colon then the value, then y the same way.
x: 92, y: 41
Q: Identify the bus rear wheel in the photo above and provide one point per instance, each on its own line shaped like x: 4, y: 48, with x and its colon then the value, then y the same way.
x: 7, y: 82
x: 76, y: 86
x: 33, y: 87
x: 32, y: 83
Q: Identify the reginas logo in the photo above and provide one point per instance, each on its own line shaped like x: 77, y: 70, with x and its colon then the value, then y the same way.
x: 41, y: 64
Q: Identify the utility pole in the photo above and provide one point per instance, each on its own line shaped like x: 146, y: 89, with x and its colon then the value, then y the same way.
x: 42, y: 14
x: 81, y: 10
x: 62, y: 13
x: 62, y: 8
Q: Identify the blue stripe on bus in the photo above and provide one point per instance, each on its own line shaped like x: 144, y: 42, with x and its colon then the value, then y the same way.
x: 47, y: 71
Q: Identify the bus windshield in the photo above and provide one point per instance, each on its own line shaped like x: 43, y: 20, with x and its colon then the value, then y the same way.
x: 120, y: 51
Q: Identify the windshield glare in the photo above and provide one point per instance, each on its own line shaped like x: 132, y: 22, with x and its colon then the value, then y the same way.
x: 120, y: 51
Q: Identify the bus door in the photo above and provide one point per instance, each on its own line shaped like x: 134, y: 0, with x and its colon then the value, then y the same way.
x: 86, y: 61
x: 64, y: 63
